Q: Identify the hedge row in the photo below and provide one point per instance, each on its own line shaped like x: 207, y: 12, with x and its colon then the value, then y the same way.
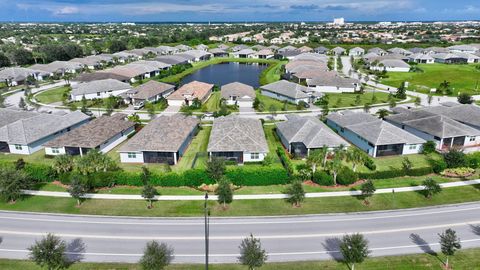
x: 395, y: 173
x: 286, y: 162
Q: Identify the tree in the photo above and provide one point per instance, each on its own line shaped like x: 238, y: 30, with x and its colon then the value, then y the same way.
x: 317, y: 157
x: 216, y: 168
x: 21, y: 104
x: 449, y: 243
x: 95, y: 161
x: 63, y: 164
x: 354, y: 249
x: 465, y: 98
x: 20, y: 164
x: 334, y: 167
x: 77, y: 190
x: 407, y: 164
x: 156, y: 256
x: 418, y: 101
x: 401, y: 92
x: 368, y: 189
x: 84, y: 108
x: 49, y: 252
x: 429, y: 99
x: 134, y: 118
x: 251, y: 253
x: 431, y: 187
x: 224, y: 192
x: 358, y: 100
x: 392, y: 103
x: 4, y: 61
x: 455, y: 158
x: 11, y: 184
x: 296, y: 193
x: 429, y: 147
x: 366, y: 107
x: 382, y: 113
x: 148, y: 193
x: 151, y: 110
x: 356, y: 156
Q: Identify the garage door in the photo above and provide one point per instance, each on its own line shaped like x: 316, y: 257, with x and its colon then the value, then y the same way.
x: 248, y: 104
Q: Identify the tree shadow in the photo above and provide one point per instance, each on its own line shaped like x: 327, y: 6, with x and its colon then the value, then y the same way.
x: 75, y: 250
x: 475, y: 229
x: 422, y: 244
x: 332, y: 246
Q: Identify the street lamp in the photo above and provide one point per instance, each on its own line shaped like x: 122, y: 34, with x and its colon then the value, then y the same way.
x: 207, y: 229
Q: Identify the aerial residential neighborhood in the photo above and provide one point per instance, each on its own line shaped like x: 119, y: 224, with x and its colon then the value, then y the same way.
x: 237, y: 135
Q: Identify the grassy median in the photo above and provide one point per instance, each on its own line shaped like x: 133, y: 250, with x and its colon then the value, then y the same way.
x: 244, y: 207
x: 463, y: 260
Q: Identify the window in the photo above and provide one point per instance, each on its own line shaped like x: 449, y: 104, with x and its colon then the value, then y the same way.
x: 342, y: 129
x: 55, y: 150
x: 98, y: 94
x: 132, y: 155
x: 254, y: 155
x: 472, y: 139
x: 18, y: 147
x: 412, y: 147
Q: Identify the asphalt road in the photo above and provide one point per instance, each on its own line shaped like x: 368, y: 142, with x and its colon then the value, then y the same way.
x: 315, y: 237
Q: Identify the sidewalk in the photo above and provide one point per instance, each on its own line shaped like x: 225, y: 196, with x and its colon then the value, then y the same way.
x: 242, y: 197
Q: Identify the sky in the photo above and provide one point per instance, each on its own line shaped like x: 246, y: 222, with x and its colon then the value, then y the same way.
x: 236, y: 10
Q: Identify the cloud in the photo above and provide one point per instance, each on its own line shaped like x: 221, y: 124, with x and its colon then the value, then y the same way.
x: 337, y: 7
x: 65, y: 11
x: 304, y: 7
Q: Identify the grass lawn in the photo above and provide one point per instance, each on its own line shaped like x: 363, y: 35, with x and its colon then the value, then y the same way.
x: 339, y: 100
x: 463, y: 78
x: 272, y: 141
x: 467, y: 259
x: 272, y: 73
x: 272, y: 105
x: 198, y: 145
x: 244, y: 207
x: 37, y: 157
x: 53, y: 95
x: 395, y: 162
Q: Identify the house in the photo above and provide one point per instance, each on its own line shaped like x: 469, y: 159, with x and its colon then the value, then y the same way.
x: 125, y: 57
x: 164, y: 140
x: 103, y: 134
x: 263, y: 54
x: 245, y: 53
x: 321, y: 50
x: 287, y: 54
x: 202, y: 47
x: 377, y: 51
x: 240, y: 47
x: 301, y: 135
x: 171, y: 59
x: 59, y: 68
x: 357, y: 51
x: 166, y: 50
x: 27, y: 133
x: 198, y: 55
x: 217, y: 52
x: 417, y: 50
x: 303, y: 73
x: 421, y: 58
x: 288, y: 48
x: 305, y: 49
x: 238, y: 94
x: 338, y: 51
x: 374, y: 136
x: 151, y: 91
x: 292, y: 65
x: 14, y: 76
x: 89, y: 63
x: 99, y: 75
x: 98, y: 89
x: 471, y: 58
x: 391, y: 65
x: 332, y: 82
x: 435, y: 50
x: 223, y: 47
x: 449, y: 58
x: 443, y: 130
x: 463, y: 49
x: 136, y: 71
x: 311, y: 57
x: 400, y: 51
x: 190, y: 91
x: 237, y: 139
x: 183, y: 48
x: 285, y: 90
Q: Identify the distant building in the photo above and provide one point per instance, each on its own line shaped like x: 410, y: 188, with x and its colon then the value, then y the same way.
x: 339, y: 21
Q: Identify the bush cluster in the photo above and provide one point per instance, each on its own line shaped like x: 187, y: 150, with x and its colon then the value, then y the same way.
x: 286, y: 162
x: 346, y: 176
x: 322, y: 178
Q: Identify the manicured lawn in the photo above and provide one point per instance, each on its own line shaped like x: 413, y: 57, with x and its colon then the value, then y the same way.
x: 467, y: 259
x: 463, y: 78
x: 244, y: 207
x: 37, y: 157
x: 198, y: 145
x: 272, y: 141
x: 272, y: 73
x: 213, y: 103
x: 339, y: 100
x: 271, y: 104
x: 53, y: 95
x: 395, y: 162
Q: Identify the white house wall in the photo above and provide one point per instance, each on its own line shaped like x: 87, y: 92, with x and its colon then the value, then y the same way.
x: 125, y: 159
x: 247, y: 157
x: 281, y: 97
x: 104, y: 94
x: 416, y: 149
x: 116, y: 140
x: 334, y: 89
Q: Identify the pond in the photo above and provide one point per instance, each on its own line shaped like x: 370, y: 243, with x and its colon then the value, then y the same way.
x: 220, y: 74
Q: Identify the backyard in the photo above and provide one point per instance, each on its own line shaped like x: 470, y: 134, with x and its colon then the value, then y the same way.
x: 268, y: 104
x: 462, y: 78
x: 339, y: 100
x: 52, y: 95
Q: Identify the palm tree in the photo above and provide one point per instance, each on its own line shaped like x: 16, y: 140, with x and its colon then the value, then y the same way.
x: 317, y: 157
x: 334, y: 166
x: 382, y: 113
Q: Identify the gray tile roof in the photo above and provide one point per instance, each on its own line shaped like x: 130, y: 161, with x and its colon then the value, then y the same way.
x: 235, y: 134
x: 394, y: 63
x: 346, y: 118
x: 382, y: 133
x: 333, y: 80
x: 464, y: 113
x: 309, y: 130
x: 150, y: 89
x: 94, y: 133
x: 434, y: 124
x: 163, y: 134
x: 19, y: 73
x: 172, y: 59
x: 8, y: 116
x: 58, y: 66
x: 288, y: 89
x: 99, y: 86
x: 96, y: 76
x: 237, y: 89
x: 32, y: 129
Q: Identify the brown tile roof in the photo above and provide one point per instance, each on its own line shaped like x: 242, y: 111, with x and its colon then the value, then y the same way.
x: 150, y: 89
x: 192, y: 90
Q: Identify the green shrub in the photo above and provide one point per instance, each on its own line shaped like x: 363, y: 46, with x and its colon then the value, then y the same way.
x: 258, y: 176
x: 370, y: 164
x: 346, y: 176
x: 396, y: 173
x: 438, y: 165
x: 473, y: 160
x: 428, y: 147
x: 455, y: 159
x: 286, y: 162
x: 40, y: 172
x: 322, y: 178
